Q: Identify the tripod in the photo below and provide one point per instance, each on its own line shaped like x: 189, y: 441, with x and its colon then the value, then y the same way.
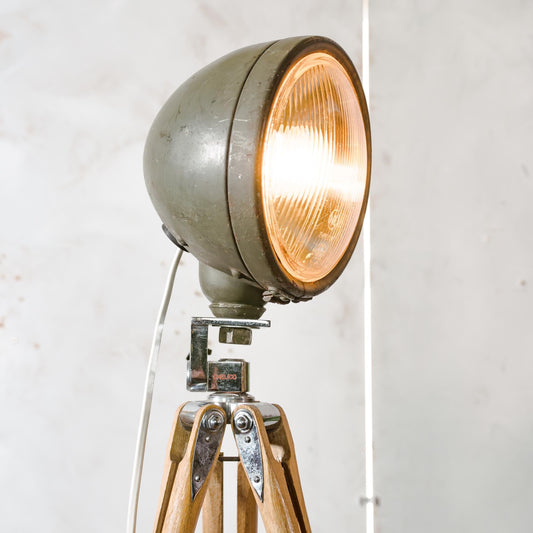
x: 267, y: 473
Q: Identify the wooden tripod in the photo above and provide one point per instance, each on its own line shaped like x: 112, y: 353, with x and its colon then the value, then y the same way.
x: 267, y: 480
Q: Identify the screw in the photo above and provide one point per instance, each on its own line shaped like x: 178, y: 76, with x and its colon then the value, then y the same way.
x: 207, y: 438
x: 197, y: 477
x: 214, y: 421
x: 257, y: 479
x: 247, y: 439
x: 243, y: 422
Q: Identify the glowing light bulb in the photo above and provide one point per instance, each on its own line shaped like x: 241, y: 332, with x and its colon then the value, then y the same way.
x: 314, y: 167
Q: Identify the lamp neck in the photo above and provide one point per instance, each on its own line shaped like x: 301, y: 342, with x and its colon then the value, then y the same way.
x: 231, y: 297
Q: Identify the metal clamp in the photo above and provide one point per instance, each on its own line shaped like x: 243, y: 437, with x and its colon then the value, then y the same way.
x: 197, y: 368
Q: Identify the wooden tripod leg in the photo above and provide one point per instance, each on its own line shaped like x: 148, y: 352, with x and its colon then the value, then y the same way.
x: 283, y: 449
x: 177, y: 445
x: 246, y: 506
x: 178, y: 511
x: 213, y: 509
x: 282, y: 507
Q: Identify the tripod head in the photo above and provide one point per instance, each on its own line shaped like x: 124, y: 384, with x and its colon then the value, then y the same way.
x: 225, y: 375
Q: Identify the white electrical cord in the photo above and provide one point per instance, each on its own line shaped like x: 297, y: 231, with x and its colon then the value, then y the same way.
x: 147, y: 399
x: 370, y: 499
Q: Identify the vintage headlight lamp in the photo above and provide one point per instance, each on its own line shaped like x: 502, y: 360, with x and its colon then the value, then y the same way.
x: 259, y: 165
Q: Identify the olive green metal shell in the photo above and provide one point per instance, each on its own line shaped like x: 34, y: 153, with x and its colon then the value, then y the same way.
x: 202, y: 161
x: 230, y: 297
x: 185, y: 159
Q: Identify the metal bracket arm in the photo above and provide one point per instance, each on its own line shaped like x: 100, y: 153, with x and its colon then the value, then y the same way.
x: 197, y: 368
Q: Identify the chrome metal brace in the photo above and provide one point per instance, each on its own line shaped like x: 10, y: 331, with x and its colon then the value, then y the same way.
x: 206, y: 448
x: 229, y: 375
x: 244, y: 429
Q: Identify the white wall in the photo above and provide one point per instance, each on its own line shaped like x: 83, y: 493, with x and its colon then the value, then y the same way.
x: 83, y: 263
x: 452, y: 90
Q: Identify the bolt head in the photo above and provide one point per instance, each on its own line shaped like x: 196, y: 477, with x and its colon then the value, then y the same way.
x: 214, y: 421
x: 243, y: 422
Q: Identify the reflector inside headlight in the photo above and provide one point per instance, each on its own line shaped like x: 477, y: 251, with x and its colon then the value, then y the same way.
x: 314, y: 167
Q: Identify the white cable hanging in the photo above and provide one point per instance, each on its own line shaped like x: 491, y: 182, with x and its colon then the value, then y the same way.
x: 147, y: 398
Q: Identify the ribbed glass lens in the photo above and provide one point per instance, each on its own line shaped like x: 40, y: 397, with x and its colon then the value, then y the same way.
x: 314, y: 167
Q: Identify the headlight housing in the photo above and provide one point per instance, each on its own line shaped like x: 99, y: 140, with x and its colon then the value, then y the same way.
x: 259, y: 165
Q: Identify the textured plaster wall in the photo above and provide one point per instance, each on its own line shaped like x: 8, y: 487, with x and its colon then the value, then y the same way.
x: 83, y: 263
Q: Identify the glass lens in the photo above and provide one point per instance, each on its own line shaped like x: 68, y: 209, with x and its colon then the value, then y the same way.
x: 314, y: 167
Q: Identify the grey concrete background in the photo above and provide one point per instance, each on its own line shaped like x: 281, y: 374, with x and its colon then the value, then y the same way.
x: 83, y: 263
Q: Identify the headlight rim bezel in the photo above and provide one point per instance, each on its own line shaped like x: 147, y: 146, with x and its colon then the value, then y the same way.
x: 245, y: 199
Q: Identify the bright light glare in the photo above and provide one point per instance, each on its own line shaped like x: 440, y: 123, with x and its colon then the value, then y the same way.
x: 314, y: 167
